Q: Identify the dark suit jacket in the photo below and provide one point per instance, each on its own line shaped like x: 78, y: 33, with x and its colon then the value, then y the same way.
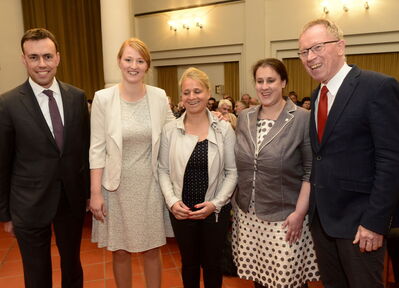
x: 355, y: 169
x: 32, y: 169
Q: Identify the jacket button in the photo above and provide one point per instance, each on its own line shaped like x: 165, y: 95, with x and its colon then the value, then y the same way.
x: 318, y: 157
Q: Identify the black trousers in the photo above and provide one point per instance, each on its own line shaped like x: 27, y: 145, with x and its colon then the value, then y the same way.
x: 201, y: 243
x: 35, y: 246
x: 341, y: 263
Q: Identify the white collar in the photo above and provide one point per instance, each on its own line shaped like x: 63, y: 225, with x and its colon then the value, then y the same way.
x: 37, y: 89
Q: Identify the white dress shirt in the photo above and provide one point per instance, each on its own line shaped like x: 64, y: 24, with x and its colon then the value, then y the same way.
x: 332, y: 86
x: 42, y: 99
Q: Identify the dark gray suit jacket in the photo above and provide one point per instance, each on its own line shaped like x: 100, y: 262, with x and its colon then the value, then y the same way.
x: 355, y: 171
x: 32, y: 169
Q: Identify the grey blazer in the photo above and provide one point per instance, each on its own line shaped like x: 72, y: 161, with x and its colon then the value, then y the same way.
x: 283, y: 162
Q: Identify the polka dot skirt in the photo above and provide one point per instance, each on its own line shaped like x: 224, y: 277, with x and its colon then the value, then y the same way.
x: 262, y: 254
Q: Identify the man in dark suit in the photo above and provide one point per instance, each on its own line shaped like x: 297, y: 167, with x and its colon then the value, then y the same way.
x: 44, y: 142
x: 355, y: 172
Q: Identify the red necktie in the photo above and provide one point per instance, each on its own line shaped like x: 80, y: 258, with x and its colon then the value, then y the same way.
x: 58, y: 128
x: 322, y: 112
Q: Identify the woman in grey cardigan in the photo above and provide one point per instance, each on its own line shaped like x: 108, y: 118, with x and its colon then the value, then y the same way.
x: 271, y: 240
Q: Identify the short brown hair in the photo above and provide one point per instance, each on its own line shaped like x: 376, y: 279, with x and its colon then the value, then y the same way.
x: 138, y: 45
x: 331, y: 27
x: 37, y: 34
x: 275, y: 64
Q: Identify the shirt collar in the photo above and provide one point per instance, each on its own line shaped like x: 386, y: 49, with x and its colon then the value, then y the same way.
x: 335, y: 82
x: 37, y: 89
x: 212, y: 120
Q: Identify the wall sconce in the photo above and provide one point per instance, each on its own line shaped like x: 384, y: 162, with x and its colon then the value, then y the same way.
x: 185, y: 24
x: 345, y: 5
x: 324, y: 4
x: 172, y: 25
x: 199, y: 23
x: 366, y: 5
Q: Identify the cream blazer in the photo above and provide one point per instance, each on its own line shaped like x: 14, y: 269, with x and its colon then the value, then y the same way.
x: 176, y: 149
x: 106, y: 131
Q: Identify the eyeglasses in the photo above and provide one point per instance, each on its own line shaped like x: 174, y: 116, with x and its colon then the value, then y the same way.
x: 317, y: 48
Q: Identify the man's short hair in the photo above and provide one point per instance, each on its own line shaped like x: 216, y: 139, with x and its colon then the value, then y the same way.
x: 36, y: 34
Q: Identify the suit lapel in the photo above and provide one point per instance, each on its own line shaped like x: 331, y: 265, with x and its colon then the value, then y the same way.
x: 114, y: 116
x: 67, y: 103
x: 252, y: 118
x: 156, y: 113
x: 344, y: 93
x: 29, y: 100
x: 312, y: 129
x: 283, y: 119
x: 153, y: 103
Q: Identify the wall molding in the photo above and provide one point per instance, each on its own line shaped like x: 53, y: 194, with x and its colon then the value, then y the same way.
x: 365, y: 43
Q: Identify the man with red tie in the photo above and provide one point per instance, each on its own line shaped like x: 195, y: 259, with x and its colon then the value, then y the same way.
x: 355, y: 172
x: 44, y: 176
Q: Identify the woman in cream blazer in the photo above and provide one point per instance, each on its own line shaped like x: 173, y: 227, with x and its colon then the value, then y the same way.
x: 198, y: 175
x: 126, y: 201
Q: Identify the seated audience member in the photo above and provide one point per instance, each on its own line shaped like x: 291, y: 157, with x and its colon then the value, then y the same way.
x: 179, y: 110
x: 225, y: 107
x: 228, y: 97
x: 212, y: 104
x: 306, y: 103
x: 253, y: 102
x: 246, y: 98
x: 294, y: 97
x: 240, y: 105
x: 199, y: 202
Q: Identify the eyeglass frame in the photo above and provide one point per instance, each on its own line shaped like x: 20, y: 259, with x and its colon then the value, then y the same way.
x: 305, y: 52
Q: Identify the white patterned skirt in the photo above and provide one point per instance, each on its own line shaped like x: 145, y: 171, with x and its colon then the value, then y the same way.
x: 262, y: 254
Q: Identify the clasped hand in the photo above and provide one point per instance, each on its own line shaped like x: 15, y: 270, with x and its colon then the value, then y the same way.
x: 181, y: 211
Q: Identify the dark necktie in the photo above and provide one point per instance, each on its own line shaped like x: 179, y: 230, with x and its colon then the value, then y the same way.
x: 322, y: 112
x: 58, y: 128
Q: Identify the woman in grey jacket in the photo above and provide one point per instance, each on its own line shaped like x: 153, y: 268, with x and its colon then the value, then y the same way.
x: 271, y: 240
x: 198, y: 175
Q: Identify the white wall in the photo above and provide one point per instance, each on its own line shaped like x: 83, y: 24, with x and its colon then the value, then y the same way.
x: 12, y: 72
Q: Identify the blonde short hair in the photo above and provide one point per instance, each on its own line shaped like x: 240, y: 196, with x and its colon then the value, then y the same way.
x: 331, y: 27
x: 225, y: 102
x: 196, y: 74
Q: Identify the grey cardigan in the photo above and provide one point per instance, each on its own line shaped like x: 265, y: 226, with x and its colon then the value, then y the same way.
x: 283, y: 162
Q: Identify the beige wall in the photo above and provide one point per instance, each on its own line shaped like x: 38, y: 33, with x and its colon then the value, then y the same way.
x: 242, y: 31
x: 246, y: 31
x: 215, y: 73
x: 141, y: 6
x: 12, y: 72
